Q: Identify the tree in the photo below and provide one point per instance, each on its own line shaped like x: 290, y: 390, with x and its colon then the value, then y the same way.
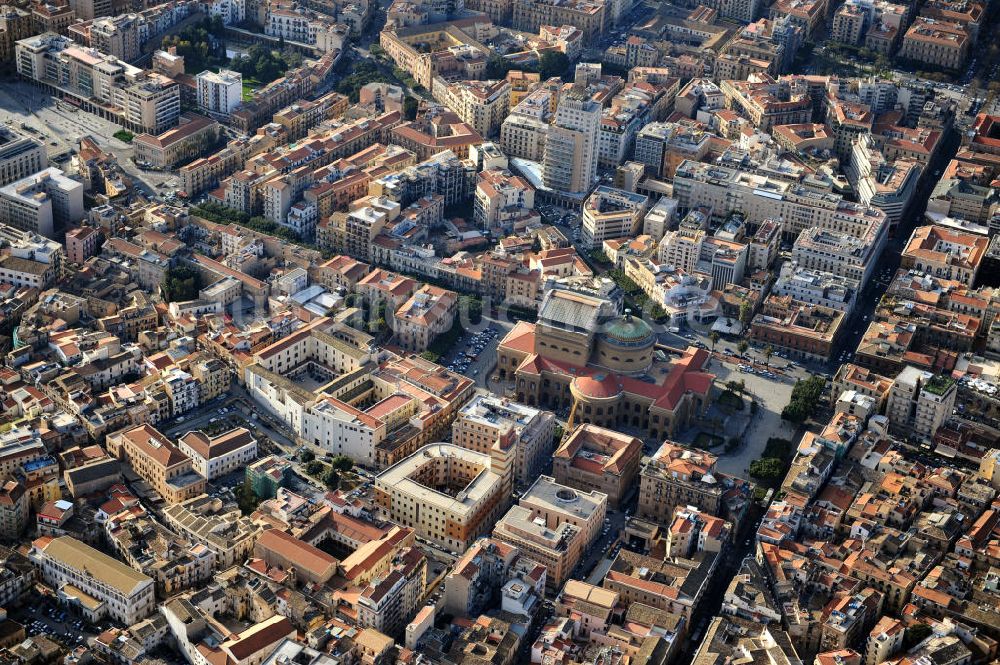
x: 768, y: 352
x: 714, y: 339
x: 553, y: 63
x: 746, y: 312
x: 768, y: 470
x: 743, y: 346
x: 473, y: 306
x: 306, y: 455
x: 314, y: 468
x: 180, y: 283
x: 805, y: 396
x: 246, y: 499
x: 362, y: 74
x: 331, y: 479
x: 410, y: 107
x: 342, y: 463
x: 916, y: 634
x: 497, y: 67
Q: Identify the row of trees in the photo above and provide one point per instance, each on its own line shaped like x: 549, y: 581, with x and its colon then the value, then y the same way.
x: 220, y: 214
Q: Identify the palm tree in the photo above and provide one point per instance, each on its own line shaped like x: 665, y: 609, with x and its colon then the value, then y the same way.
x: 743, y: 346
x: 714, y: 337
x: 768, y: 352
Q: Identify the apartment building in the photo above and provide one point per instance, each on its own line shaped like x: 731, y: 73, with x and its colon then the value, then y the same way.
x: 138, y: 100
x: 15, y: 24
x: 481, y: 104
x: 20, y: 156
x: 760, y: 197
x: 100, y: 586
x: 558, y: 548
x: 116, y: 36
x: 43, y: 203
x: 487, y: 566
x: 447, y: 494
x: 524, y: 130
x: 569, y: 160
x: 936, y: 42
x: 219, y: 93
x: 26, y: 272
x: 919, y: 402
x: 487, y: 421
x: 693, y: 531
x: 815, y: 287
x: 593, y: 458
x: 215, y: 456
x: 157, y: 461
x: 888, y: 185
x: 82, y: 242
x: 388, y: 603
x: 429, y: 312
x: 555, y: 504
x: 799, y: 329
x: 610, y: 213
x: 14, y: 509
x: 184, y: 142
x: 944, y: 253
x: 501, y: 198
x: 838, y: 253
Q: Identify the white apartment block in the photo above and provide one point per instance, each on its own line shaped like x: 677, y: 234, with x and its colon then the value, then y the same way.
x: 611, y: 213
x: 141, y: 101
x: 20, y: 156
x: 42, y: 203
x: 523, y: 131
x: 880, y: 183
x: 919, y: 402
x: 660, y: 218
x: 569, y: 162
x: 816, y: 287
x: 215, y: 456
x: 838, y: 253
x: 99, y: 585
x: 760, y: 198
x: 230, y: 11
x: 219, y: 93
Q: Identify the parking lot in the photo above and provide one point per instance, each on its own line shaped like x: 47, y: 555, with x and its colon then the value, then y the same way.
x: 474, y: 353
x: 42, y: 616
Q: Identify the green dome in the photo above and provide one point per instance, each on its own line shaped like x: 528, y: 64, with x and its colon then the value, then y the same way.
x: 629, y: 331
